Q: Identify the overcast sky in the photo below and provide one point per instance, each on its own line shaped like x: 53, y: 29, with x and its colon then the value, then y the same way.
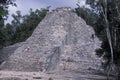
x: 25, y: 5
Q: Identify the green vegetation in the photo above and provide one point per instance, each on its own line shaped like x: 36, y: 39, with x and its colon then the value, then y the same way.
x: 22, y: 26
x: 104, y: 16
x: 3, y: 16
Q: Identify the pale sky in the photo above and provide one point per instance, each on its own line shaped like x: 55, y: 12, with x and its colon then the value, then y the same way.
x: 25, y: 5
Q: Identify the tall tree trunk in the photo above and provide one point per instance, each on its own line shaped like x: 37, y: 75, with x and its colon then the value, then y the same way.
x: 111, y: 64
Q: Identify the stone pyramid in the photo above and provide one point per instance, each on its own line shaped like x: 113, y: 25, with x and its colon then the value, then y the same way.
x: 61, y: 41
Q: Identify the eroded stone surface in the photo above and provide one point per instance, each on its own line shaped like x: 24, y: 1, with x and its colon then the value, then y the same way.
x: 7, y: 51
x: 62, y: 41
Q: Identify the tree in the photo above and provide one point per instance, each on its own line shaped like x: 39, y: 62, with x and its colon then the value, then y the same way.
x: 22, y: 26
x: 107, y: 28
x: 4, y: 4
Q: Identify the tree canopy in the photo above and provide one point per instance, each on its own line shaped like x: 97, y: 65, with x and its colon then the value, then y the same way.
x: 104, y: 16
x: 4, y: 4
x: 22, y: 26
